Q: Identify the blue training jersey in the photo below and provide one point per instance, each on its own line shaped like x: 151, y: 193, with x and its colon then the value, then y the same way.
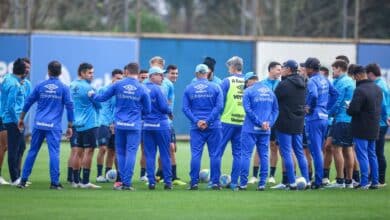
x: 345, y: 87
x: 131, y: 102
x: 157, y: 119
x: 51, y: 96
x: 106, y: 113
x: 85, y: 110
x: 385, y: 101
x: 271, y: 83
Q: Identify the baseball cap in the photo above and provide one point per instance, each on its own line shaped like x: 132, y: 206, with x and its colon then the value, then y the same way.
x: 292, y: 64
x: 201, y: 68
x: 155, y: 70
x: 249, y: 75
x: 312, y: 63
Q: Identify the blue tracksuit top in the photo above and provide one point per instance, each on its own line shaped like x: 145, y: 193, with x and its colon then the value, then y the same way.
x: 385, y: 101
x: 131, y: 101
x: 157, y: 119
x: 319, y: 97
x: 345, y: 87
x: 271, y: 83
x: 260, y: 105
x: 85, y: 110
x: 169, y: 91
x: 106, y: 113
x: 203, y: 100
x: 14, y: 92
x: 51, y: 95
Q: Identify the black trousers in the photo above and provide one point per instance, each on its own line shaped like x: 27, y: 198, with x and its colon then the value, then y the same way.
x: 16, y: 147
x: 380, y: 154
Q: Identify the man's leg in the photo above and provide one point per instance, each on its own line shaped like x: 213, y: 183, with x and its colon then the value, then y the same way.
x: 133, y: 139
x: 53, y: 140
x: 213, y: 140
x: 150, y: 149
x: 197, y: 142
x: 380, y: 154
x: 262, y: 145
x: 163, y: 141
x: 3, y: 149
x: 300, y: 155
x: 236, y: 152
x: 13, y: 140
x: 316, y: 130
x: 361, y: 148
x: 248, y: 141
x: 285, y: 144
x: 373, y: 161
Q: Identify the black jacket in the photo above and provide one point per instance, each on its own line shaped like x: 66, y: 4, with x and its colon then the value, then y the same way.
x: 365, y: 109
x: 291, y: 93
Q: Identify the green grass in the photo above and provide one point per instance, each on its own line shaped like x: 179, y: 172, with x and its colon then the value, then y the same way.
x: 38, y: 202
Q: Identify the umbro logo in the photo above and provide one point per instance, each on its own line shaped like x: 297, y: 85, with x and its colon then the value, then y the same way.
x: 200, y: 86
x: 130, y: 87
x: 263, y: 90
x: 51, y: 87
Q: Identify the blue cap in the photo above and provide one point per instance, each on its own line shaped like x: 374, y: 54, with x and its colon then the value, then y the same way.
x: 155, y: 70
x: 292, y: 64
x: 201, y: 68
x: 249, y: 75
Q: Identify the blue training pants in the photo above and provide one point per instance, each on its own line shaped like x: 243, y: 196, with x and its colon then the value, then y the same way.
x: 287, y: 143
x: 152, y: 140
x: 365, y: 153
x: 248, y: 141
x: 316, y: 133
x: 231, y: 133
x: 126, y: 146
x: 53, y: 139
x: 197, y: 140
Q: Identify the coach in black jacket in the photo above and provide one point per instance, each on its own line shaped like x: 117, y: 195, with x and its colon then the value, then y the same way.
x: 289, y: 126
x: 365, y: 109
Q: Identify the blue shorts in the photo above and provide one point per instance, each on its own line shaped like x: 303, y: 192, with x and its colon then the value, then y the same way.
x: 329, y: 131
x: 87, y: 138
x: 105, y: 137
x: 2, y: 127
x: 342, y: 134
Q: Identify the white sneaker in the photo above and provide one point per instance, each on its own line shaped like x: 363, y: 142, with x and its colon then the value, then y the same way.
x: 90, y: 186
x: 271, y: 179
x: 381, y: 185
x: 279, y: 186
x: 325, y: 181
x: 143, y: 179
x: 16, y: 182
x: 76, y: 185
x: 349, y: 186
x: 252, y: 180
x: 354, y: 183
x: 3, y: 181
x: 335, y: 186
x: 101, y: 179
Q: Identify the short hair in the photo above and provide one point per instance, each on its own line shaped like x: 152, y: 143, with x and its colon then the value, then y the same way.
x: 340, y: 64
x: 54, y: 68
x: 374, y: 68
x: 272, y: 65
x: 133, y: 68
x: 171, y: 67
x: 356, y: 69
x: 116, y: 71
x: 83, y: 67
x: 236, y: 62
x: 343, y: 57
x: 19, y: 67
x: 143, y: 71
x: 210, y: 62
x: 325, y: 69
x: 157, y: 59
x: 27, y: 60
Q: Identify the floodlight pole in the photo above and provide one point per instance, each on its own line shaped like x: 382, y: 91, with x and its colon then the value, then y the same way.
x: 139, y: 17
x: 345, y: 17
x: 126, y: 16
x: 357, y: 15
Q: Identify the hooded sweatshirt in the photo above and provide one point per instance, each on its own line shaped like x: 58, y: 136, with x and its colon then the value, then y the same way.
x: 291, y: 93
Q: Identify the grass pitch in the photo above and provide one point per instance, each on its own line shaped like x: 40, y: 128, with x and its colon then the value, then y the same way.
x: 38, y: 202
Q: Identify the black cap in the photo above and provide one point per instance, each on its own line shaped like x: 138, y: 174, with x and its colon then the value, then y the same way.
x: 210, y: 62
x: 312, y: 63
x: 356, y: 69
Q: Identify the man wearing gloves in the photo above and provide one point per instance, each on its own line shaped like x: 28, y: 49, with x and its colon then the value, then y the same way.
x: 202, y: 104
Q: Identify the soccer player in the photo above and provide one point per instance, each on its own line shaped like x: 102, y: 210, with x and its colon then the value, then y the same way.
x: 210, y: 63
x: 156, y: 132
x: 261, y: 108
x: 202, y: 104
x: 374, y: 74
x: 131, y: 102
x: 105, y: 131
x: 233, y: 115
x: 320, y: 95
x: 365, y: 109
x: 51, y: 95
x: 341, y: 129
x: 290, y: 94
x: 143, y: 74
x: 14, y: 92
x: 85, y: 124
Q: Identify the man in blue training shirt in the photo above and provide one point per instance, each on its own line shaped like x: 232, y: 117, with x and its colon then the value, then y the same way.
x: 156, y: 133
x: 320, y: 95
x: 51, y: 95
x: 14, y: 92
x: 85, y: 124
x: 233, y: 115
x: 131, y: 102
x: 261, y: 108
x: 105, y: 131
x: 374, y: 74
x: 202, y: 104
x: 342, y: 139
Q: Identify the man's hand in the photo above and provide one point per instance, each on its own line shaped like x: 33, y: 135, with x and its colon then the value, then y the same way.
x: 69, y: 133
x: 21, y: 125
x: 202, y: 124
x: 265, y: 126
x: 91, y: 93
x: 307, y: 109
